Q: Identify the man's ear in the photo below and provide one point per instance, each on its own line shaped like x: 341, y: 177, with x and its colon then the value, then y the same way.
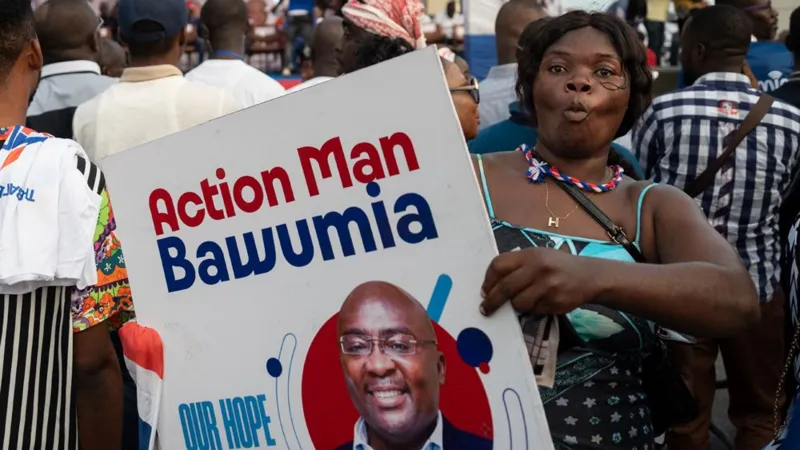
x: 182, y: 37
x: 699, y: 52
x: 34, y: 56
x: 95, y: 43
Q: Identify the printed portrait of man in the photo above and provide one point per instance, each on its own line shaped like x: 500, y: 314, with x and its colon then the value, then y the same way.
x: 393, y: 371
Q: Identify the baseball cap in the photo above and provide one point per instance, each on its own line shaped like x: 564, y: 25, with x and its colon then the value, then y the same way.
x: 171, y: 15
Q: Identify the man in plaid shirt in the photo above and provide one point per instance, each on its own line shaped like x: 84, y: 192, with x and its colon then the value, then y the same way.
x: 679, y: 136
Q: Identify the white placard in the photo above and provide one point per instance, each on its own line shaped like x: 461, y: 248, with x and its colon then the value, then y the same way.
x: 243, y: 238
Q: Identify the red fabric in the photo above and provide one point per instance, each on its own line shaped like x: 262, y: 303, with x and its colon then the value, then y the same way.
x: 143, y: 346
x: 651, y: 58
x: 390, y: 18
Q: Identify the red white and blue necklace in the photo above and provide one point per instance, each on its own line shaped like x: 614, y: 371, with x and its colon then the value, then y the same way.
x: 539, y: 169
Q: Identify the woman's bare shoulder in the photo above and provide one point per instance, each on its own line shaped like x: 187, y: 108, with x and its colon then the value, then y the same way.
x: 496, y: 160
x: 660, y: 199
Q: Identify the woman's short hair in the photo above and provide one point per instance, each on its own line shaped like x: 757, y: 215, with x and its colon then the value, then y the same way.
x: 625, y: 41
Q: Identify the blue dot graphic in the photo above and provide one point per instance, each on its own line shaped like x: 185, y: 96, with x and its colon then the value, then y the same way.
x: 274, y: 367
x: 373, y: 189
x: 474, y: 347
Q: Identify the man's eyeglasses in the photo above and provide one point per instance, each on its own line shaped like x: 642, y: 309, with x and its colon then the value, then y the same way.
x: 399, y: 345
x: 471, y: 88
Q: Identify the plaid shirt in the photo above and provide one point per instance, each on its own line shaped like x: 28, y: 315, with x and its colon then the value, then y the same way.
x: 682, y: 132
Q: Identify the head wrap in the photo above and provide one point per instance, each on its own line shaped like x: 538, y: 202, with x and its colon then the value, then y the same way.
x: 390, y: 18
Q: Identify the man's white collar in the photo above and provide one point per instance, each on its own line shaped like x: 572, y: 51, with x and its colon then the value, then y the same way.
x: 61, y: 68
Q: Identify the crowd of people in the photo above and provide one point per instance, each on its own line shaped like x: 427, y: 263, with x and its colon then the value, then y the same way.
x: 280, y: 31
x: 656, y: 233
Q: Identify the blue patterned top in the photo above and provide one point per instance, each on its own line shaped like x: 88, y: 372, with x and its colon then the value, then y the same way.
x: 597, y: 401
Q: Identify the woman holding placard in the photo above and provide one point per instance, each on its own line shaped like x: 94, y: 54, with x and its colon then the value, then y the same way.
x: 578, y: 224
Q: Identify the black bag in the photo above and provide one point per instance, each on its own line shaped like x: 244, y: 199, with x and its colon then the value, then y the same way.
x: 668, y: 398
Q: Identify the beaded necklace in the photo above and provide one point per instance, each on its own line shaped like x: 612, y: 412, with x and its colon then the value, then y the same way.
x: 538, y: 169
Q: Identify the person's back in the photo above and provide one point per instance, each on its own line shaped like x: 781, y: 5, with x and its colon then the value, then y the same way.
x: 69, y: 35
x: 226, y: 26
x: 152, y: 99
x: 249, y: 85
x: 148, y: 103
x: 682, y: 133
x: 679, y: 137
x: 60, y: 383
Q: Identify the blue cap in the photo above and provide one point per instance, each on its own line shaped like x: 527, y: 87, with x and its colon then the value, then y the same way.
x: 172, y: 15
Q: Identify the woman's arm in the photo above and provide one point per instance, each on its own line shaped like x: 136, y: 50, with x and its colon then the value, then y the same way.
x: 701, y: 286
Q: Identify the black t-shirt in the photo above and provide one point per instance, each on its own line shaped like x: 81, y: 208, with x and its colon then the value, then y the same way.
x: 57, y: 122
x: 789, y: 92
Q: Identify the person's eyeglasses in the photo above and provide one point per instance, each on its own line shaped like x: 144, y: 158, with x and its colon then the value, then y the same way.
x: 399, y: 345
x: 768, y: 5
x: 471, y: 88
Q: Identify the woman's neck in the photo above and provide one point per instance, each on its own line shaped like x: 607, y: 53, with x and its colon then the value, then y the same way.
x: 592, y: 169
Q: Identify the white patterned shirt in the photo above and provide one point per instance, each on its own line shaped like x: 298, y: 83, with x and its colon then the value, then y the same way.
x: 682, y: 132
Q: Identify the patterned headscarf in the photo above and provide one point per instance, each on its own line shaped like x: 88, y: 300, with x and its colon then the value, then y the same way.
x: 390, y: 18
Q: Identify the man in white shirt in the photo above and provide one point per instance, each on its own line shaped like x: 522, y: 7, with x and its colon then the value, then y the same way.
x: 497, y: 90
x: 225, y: 26
x: 324, y: 45
x: 60, y: 382
x: 152, y: 99
x: 68, y: 31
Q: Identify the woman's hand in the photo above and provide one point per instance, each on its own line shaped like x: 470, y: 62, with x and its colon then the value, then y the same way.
x: 541, y: 281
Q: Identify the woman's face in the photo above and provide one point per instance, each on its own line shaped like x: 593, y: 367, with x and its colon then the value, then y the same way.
x: 581, y: 93
x: 466, y: 107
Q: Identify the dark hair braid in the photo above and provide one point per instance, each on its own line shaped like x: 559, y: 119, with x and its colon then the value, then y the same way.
x: 374, y: 49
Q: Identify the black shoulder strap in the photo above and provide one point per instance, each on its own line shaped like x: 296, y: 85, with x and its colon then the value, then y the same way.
x: 614, y: 232
x: 732, y: 140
